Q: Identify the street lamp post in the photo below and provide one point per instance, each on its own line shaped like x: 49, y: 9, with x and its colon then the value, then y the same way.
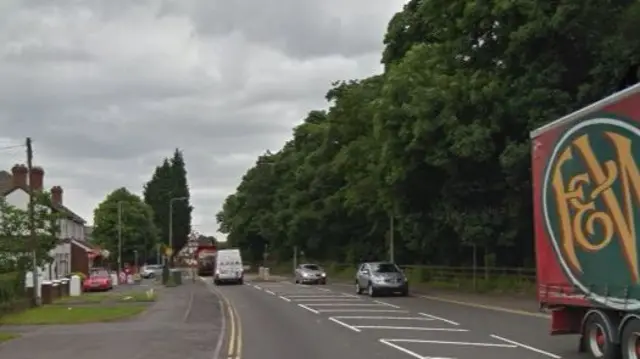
x: 171, y: 225
x: 119, y: 238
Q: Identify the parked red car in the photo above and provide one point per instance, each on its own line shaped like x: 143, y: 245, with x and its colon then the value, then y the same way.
x: 97, y: 281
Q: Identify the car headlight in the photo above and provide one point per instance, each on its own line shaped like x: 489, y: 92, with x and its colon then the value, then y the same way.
x: 306, y: 274
x: 323, y: 274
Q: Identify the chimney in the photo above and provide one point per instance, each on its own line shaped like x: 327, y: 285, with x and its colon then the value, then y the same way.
x: 19, y: 174
x: 56, y: 195
x: 36, y: 178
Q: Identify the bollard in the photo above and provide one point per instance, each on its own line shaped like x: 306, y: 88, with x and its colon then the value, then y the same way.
x: 261, y: 272
x: 266, y: 273
x: 75, y: 286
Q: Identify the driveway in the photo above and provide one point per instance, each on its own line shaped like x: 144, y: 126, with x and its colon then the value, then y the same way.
x: 184, y: 323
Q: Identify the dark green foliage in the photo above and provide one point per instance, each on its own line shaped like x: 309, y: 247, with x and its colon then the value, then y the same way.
x: 169, y: 181
x: 440, y: 140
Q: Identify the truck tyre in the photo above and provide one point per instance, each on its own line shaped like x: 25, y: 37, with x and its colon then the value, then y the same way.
x: 630, y: 342
x: 598, y: 341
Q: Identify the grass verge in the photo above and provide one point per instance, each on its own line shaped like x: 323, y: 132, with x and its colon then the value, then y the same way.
x: 5, y: 337
x: 54, y: 314
x: 126, y: 297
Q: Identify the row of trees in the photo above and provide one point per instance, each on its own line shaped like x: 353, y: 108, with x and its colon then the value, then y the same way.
x: 437, y: 146
x: 143, y: 223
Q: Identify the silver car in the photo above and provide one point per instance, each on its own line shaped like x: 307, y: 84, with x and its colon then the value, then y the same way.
x: 310, y: 274
x: 381, y: 277
x: 151, y: 271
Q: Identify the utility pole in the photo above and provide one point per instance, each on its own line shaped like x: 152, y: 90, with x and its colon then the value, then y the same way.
x: 119, y: 238
x: 295, y: 258
x: 32, y: 226
x: 391, y: 238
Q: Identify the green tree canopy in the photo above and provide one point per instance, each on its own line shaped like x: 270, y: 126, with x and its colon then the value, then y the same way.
x: 168, y: 181
x: 15, y: 241
x: 139, y: 232
x: 439, y: 141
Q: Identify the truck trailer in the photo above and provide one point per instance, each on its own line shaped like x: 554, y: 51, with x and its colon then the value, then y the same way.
x: 205, y: 256
x: 586, y: 199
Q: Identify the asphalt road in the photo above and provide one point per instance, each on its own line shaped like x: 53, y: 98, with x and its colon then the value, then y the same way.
x: 185, y: 323
x: 281, y: 319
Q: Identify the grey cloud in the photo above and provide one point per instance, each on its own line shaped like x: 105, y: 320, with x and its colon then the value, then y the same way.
x: 107, y: 88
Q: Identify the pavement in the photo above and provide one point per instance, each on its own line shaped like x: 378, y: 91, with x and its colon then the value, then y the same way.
x: 185, y: 319
x: 281, y: 319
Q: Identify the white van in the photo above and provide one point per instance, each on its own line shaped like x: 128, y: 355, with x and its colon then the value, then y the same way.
x: 228, y: 268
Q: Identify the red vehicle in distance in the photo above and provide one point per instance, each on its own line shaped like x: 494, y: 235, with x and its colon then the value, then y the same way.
x: 98, y: 280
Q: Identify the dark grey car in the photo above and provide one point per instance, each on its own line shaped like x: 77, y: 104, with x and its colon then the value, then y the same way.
x: 310, y: 273
x: 381, y: 278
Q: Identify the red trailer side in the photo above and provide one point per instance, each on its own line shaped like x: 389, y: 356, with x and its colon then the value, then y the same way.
x: 586, y: 187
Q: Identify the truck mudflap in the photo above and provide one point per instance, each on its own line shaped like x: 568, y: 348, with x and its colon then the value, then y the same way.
x: 567, y: 320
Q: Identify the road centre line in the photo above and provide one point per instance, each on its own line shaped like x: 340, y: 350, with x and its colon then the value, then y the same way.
x: 407, y: 351
x: 270, y: 292
x: 333, y: 319
x: 445, y: 342
x: 285, y: 299
x: 324, y: 289
x: 390, y: 327
x: 524, y: 346
x: 309, y: 309
x: 257, y: 287
x: 439, y: 318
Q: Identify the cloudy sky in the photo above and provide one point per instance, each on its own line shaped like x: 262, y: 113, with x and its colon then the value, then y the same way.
x: 107, y: 88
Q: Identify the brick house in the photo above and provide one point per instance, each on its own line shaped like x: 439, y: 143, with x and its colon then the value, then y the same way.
x: 14, y: 188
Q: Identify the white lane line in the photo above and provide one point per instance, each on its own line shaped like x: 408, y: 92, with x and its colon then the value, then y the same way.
x: 257, y: 287
x: 439, y: 318
x: 285, y: 299
x: 333, y: 319
x: 324, y: 289
x: 387, y: 304
x: 444, y: 342
x: 309, y: 309
x: 381, y: 317
x: 524, y: 346
x: 363, y: 310
x: 344, y: 304
x: 407, y: 351
x: 390, y: 327
x: 327, y: 299
x: 270, y: 292
x: 320, y: 295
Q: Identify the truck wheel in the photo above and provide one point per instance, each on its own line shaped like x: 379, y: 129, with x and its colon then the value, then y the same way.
x: 630, y: 342
x: 597, y: 339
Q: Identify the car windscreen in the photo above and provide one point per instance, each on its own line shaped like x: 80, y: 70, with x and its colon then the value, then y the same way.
x: 386, y: 268
x: 100, y: 274
x: 311, y: 267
